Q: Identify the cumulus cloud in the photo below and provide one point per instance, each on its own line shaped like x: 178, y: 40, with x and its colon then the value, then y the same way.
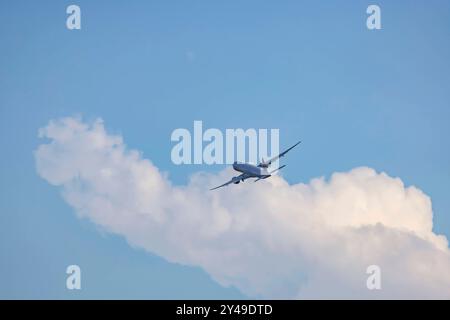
x: 269, y: 239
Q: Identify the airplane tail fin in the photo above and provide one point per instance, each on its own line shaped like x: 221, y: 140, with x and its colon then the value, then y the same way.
x: 263, y: 164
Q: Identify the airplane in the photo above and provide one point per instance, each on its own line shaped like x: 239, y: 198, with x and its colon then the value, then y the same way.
x: 259, y: 171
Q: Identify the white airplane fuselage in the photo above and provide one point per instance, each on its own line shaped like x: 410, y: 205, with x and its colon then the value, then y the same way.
x: 251, y: 170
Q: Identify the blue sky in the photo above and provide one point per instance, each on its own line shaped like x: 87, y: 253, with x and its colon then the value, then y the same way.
x: 355, y: 97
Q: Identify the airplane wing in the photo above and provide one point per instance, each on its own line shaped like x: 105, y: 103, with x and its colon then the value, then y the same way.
x: 270, y: 173
x: 233, y: 180
x: 268, y: 163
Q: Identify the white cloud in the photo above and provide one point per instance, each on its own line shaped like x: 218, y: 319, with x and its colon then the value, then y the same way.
x: 269, y: 239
